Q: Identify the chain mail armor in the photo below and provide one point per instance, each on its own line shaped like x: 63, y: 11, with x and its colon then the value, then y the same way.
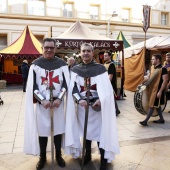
x: 89, y: 70
x: 51, y: 64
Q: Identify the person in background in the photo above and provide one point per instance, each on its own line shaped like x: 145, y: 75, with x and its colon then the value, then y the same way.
x: 167, y: 66
x: 156, y: 89
x: 24, y: 71
x: 47, y: 72
x: 110, y: 67
x: 71, y: 63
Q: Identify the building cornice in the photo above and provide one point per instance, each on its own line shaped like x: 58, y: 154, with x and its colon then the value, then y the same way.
x: 72, y: 20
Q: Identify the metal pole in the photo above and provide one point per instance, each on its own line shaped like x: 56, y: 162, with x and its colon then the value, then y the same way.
x: 51, y: 30
x: 108, y: 27
x: 123, y: 75
x: 85, y: 121
x: 145, y: 51
x: 52, y: 128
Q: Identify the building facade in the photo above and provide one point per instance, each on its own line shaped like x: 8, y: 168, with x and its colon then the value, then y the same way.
x: 50, y: 18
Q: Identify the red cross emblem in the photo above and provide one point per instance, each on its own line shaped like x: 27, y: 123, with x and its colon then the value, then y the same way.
x: 93, y: 87
x: 51, y: 80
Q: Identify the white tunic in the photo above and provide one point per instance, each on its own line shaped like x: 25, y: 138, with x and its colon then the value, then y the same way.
x: 37, y: 118
x: 102, y: 125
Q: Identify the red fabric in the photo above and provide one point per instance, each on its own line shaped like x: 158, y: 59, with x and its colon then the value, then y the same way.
x: 28, y: 46
x: 12, y: 78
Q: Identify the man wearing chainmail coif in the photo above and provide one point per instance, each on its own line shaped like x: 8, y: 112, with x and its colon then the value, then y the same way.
x: 47, y: 73
x: 90, y: 93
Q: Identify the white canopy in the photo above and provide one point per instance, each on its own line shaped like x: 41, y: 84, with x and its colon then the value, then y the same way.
x: 154, y: 43
x: 80, y: 31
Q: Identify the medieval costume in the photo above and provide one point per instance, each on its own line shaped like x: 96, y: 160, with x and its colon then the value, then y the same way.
x: 44, y: 73
x: 101, y: 126
x: 154, y: 84
x: 167, y: 66
x: 110, y: 67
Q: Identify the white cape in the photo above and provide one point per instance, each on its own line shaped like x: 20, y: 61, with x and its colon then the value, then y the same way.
x: 108, y: 136
x: 31, y: 142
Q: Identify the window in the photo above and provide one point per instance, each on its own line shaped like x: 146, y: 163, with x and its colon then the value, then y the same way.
x: 164, y: 18
x: 68, y: 10
x: 3, y: 41
x: 94, y: 12
x: 3, y: 6
x: 17, y: 6
x: 125, y: 15
x: 36, y: 7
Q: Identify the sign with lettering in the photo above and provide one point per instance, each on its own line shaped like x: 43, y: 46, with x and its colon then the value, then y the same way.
x: 115, y: 45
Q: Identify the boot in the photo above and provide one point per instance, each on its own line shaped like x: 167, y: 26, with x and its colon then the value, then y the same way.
x: 59, y: 159
x: 57, y: 143
x: 103, y: 161
x: 42, y: 160
x: 103, y: 165
x: 87, y: 156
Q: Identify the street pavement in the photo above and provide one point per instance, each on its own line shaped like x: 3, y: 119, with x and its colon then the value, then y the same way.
x: 141, y: 148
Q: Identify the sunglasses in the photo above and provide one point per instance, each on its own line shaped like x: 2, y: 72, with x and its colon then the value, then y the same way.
x: 51, y: 48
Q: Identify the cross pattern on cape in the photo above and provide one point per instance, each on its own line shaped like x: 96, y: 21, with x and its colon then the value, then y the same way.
x: 51, y: 80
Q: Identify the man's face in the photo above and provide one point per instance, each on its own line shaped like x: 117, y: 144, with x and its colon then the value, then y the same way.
x: 48, y: 50
x: 86, y: 54
x: 168, y: 59
x: 154, y: 60
x: 71, y: 62
x: 106, y: 57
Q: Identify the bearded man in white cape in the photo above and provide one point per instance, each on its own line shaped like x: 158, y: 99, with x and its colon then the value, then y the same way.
x: 101, y: 126
x: 45, y: 72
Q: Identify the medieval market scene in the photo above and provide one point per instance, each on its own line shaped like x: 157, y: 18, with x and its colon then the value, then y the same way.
x: 84, y: 85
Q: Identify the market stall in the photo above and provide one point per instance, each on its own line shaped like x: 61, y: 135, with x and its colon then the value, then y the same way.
x: 25, y: 47
x: 136, y: 63
x: 69, y: 42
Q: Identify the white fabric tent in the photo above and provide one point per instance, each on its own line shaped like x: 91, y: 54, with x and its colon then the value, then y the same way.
x: 154, y: 43
x: 81, y: 31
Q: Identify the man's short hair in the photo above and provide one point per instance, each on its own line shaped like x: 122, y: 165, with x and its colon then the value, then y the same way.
x: 49, y: 40
x: 25, y: 61
x: 71, y: 58
x: 168, y: 54
x: 109, y: 53
x: 87, y: 44
x: 158, y: 56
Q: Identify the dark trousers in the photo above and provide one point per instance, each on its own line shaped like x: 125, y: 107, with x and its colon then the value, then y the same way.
x: 43, y: 144
x: 88, y: 149
x: 24, y: 83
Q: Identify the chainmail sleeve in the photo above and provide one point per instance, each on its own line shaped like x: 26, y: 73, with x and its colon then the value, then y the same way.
x: 37, y: 95
x: 64, y: 84
x: 76, y: 93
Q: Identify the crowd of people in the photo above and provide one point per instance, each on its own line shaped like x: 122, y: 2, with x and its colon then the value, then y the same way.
x: 87, y: 112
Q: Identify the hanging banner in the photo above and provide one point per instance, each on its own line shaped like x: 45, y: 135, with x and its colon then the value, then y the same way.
x: 146, y: 17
